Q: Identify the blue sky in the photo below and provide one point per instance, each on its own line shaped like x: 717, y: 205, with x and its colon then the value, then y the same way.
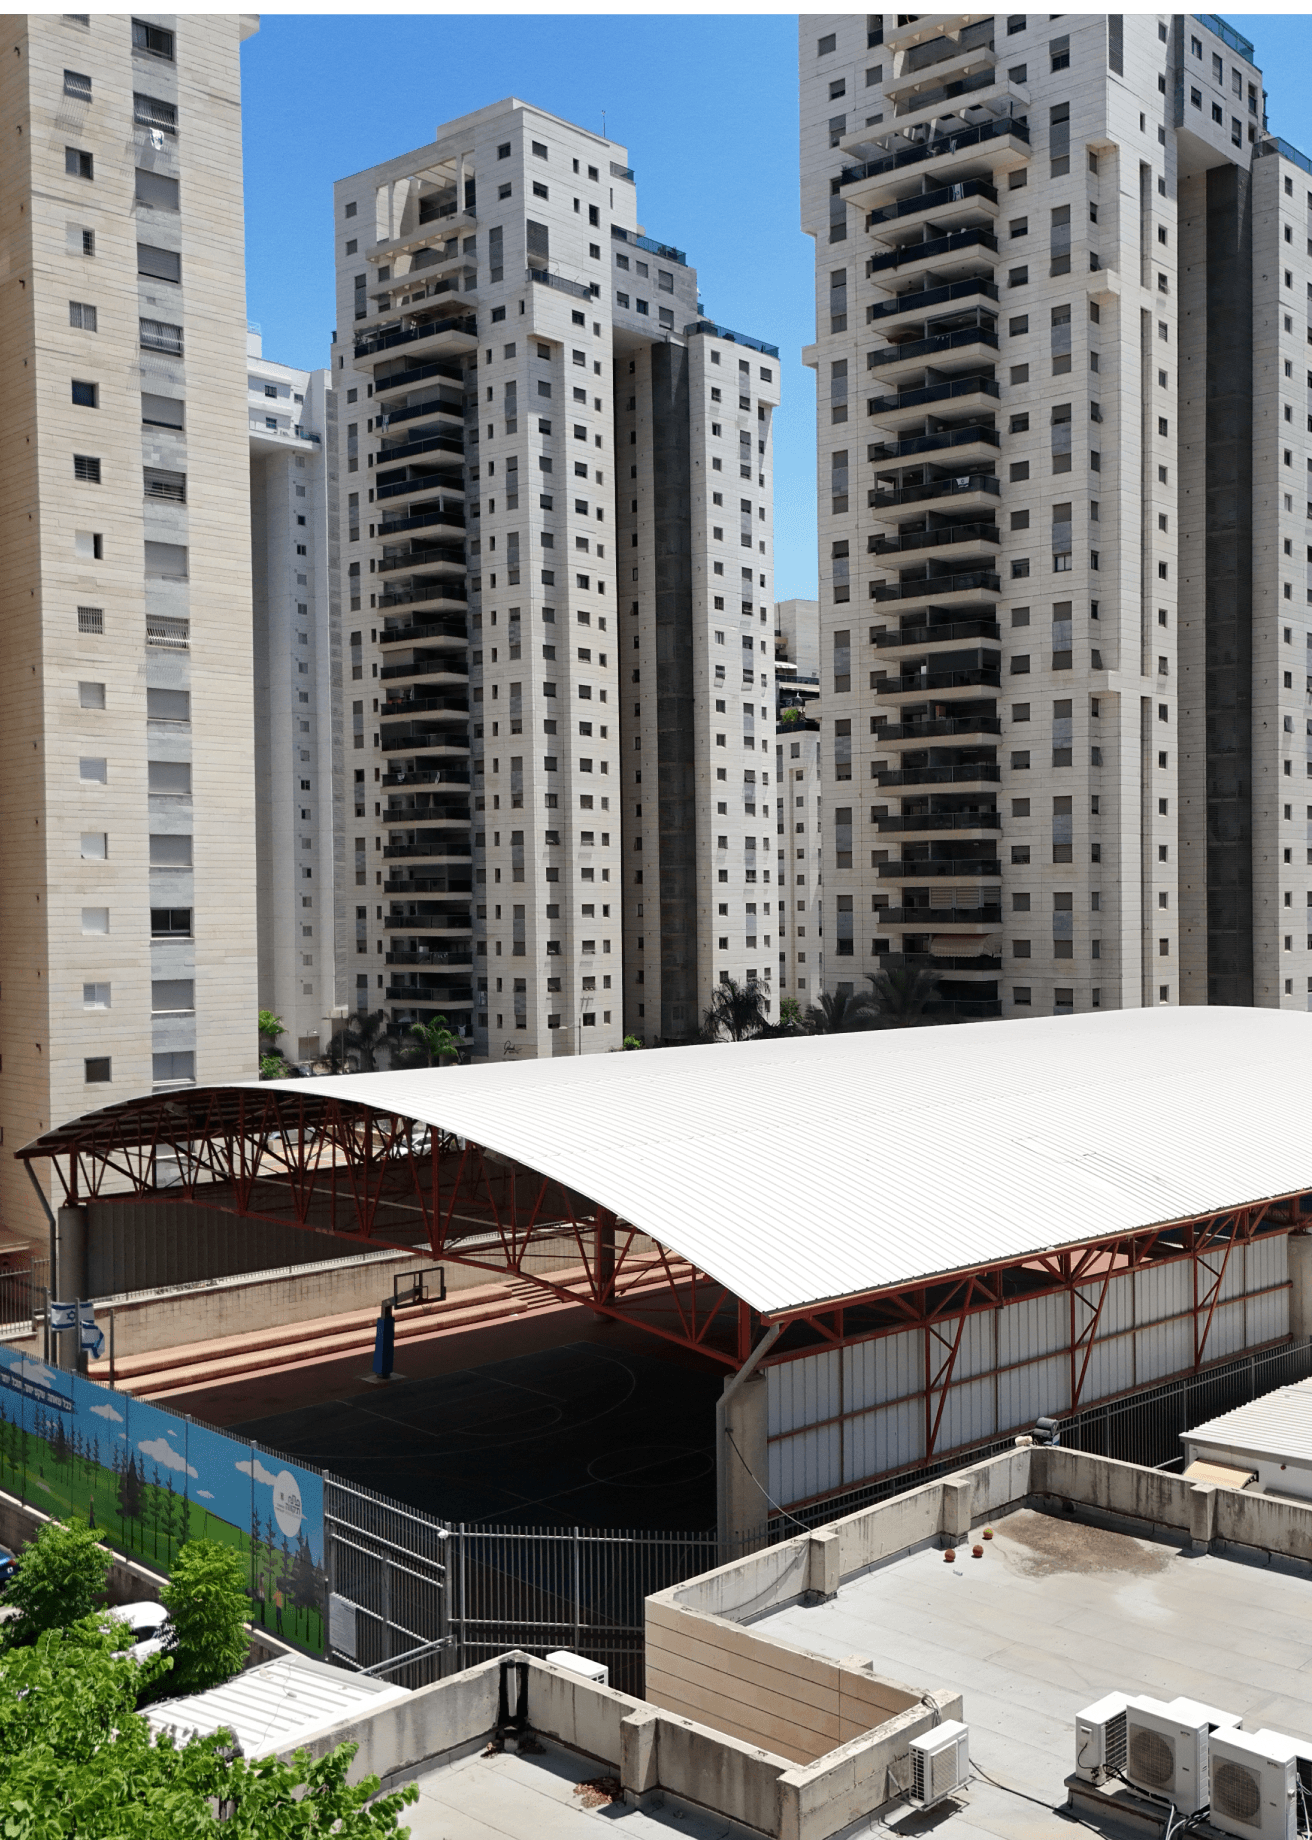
x: 707, y: 108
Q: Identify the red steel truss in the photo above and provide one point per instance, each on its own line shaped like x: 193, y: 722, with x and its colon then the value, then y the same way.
x: 342, y: 1167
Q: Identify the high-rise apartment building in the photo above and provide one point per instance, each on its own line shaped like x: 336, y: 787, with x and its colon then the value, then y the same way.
x: 127, y: 875
x: 550, y: 525
x: 293, y: 698
x: 1062, y: 332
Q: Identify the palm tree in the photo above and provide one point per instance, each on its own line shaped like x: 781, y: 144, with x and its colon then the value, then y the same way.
x: 355, y: 1048
x: 436, y: 1040
x: 736, y: 1011
x: 899, y: 998
x: 837, y: 1013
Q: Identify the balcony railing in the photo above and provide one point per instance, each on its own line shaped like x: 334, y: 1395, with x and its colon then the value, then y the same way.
x: 936, y: 489
x: 927, y: 918
x: 435, y: 629
x: 426, y: 739
x: 977, y: 434
x: 930, y: 585
x: 443, y: 591
x: 941, y: 821
x: 433, y: 443
x: 907, y: 253
x: 422, y: 817
x: 665, y: 250
x: 385, y: 340
x: 422, y: 705
x: 934, y: 200
x: 545, y: 278
x: 436, y: 405
x: 930, y: 961
x: 935, y: 635
x: 913, y: 868
x: 456, y: 921
x: 432, y: 852
x: 926, y: 298
x: 710, y: 328
x: 933, y: 393
x: 982, y: 771
x: 422, y: 555
x: 418, y: 373
x: 948, y: 92
x: 937, y: 727
x: 938, y: 680
x: 430, y: 667
x: 909, y: 540
x: 430, y: 776
x: 936, y: 149
x: 929, y: 347
x: 421, y: 520
x: 457, y: 957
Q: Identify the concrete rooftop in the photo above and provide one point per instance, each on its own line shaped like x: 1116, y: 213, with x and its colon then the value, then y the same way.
x: 1056, y: 1614
x: 532, y: 1796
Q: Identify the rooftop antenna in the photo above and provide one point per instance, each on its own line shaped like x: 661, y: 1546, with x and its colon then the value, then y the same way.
x: 603, y: 124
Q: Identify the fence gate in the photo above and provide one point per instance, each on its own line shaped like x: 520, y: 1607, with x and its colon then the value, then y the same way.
x: 387, y: 1586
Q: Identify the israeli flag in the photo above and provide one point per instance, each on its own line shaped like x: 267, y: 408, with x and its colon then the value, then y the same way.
x: 92, y: 1340
x: 63, y: 1315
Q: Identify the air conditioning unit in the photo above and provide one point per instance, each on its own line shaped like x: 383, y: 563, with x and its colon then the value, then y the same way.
x: 1100, y: 1738
x: 1166, y: 1754
x: 1253, y: 1778
x: 940, y: 1763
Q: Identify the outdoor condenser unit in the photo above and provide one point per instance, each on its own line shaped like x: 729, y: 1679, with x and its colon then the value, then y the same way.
x: 1253, y: 1778
x: 940, y: 1763
x: 1100, y: 1738
x: 1166, y: 1753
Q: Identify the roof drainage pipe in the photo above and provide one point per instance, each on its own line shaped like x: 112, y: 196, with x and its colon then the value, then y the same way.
x: 727, y: 1452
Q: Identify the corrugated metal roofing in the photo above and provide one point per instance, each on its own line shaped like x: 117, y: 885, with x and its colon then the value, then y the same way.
x: 1278, y: 1424
x: 272, y: 1706
x: 805, y: 1170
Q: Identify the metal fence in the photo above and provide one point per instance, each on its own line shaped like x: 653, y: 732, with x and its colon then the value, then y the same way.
x: 23, y: 1297
x: 413, y: 1599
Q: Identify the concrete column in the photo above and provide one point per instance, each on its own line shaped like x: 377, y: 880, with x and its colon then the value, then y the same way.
x: 822, y: 1576
x: 71, y: 1276
x: 1202, y: 1516
x: 1300, y: 1283
x: 639, y: 1755
x: 744, y: 1455
x: 954, y: 1520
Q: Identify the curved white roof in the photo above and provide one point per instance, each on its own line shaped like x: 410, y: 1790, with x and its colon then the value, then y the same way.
x: 800, y: 1171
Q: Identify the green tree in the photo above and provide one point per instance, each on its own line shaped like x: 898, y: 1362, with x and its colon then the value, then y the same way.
x: 270, y: 1027
x: 790, y: 1014
x: 78, y: 1761
x: 60, y: 1579
x: 736, y: 1011
x: 207, y: 1605
x: 630, y: 1043
x: 354, y: 1049
x: 436, y: 1041
x: 838, y: 1014
x: 790, y: 717
x: 900, y: 997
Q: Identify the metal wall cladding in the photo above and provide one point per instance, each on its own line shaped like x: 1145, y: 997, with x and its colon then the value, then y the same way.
x: 841, y: 1417
x: 139, y: 1246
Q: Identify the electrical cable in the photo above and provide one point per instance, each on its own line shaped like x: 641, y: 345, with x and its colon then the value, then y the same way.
x: 1066, y: 1812
x: 770, y: 1498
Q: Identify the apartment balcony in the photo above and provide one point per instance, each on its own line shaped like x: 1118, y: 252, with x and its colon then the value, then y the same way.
x: 962, y: 66
x: 446, y: 408
x: 970, y: 201
x: 428, y: 738
x: 410, y: 376
x: 911, y: 259
x: 401, y: 886
x: 923, y: 32
x: 449, y: 558
x: 423, y: 517
x: 429, y: 444
x: 437, y: 849
x: 424, y: 1004
x: 428, y: 776
x: 448, y: 671
x: 426, y: 703
x: 907, y: 407
x: 947, y: 539
x: 980, y: 772
x: 919, y: 303
x: 457, y: 956
x: 956, y: 348
x: 986, y: 1009
x: 939, y: 963
x: 942, y: 588
x: 935, y: 919
x: 410, y: 290
x: 932, y: 823
x: 446, y: 335
x: 443, y: 225
x: 980, y: 149
x: 926, y: 868
x: 973, y: 443
x: 962, y: 492
x: 915, y: 734
x: 959, y: 91
x: 577, y: 290
x: 405, y: 481
x: 413, y: 594
x: 422, y: 813
x: 941, y: 632
x: 453, y: 630
x: 435, y: 920
x: 944, y: 683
